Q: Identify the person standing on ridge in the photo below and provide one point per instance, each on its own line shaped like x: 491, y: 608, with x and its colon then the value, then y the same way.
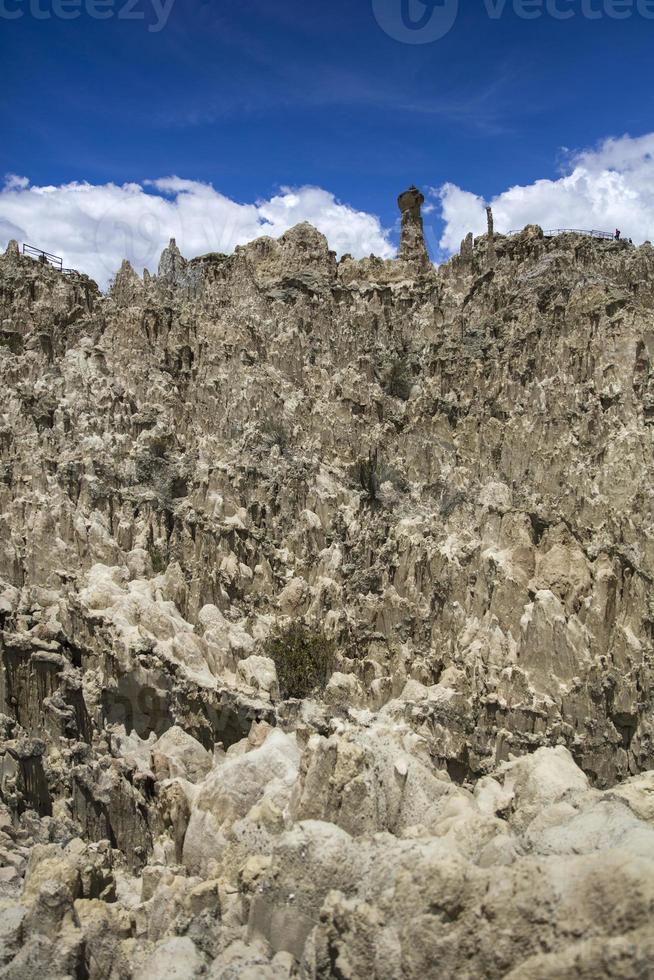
x: 617, y: 234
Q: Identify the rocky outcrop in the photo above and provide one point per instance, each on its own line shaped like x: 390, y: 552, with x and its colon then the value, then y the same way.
x: 445, y: 474
x: 412, y: 240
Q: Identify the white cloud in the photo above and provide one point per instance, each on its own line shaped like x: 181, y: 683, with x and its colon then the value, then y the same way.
x: 95, y: 226
x: 14, y: 182
x: 605, y: 188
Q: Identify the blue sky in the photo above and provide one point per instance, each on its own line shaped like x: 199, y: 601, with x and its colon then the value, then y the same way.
x: 251, y: 96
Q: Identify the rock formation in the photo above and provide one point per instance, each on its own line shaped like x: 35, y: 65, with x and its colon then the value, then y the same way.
x: 326, y: 614
x: 412, y: 241
x: 490, y: 222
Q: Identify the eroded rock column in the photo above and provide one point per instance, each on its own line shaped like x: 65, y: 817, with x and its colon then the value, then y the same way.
x: 412, y: 241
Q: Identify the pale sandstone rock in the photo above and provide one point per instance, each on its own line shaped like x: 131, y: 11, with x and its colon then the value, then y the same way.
x: 260, y: 673
x: 177, y: 753
x: 449, y: 472
x: 174, y: 959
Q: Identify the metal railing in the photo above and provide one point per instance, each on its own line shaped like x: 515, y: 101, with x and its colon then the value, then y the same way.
x: 42, y: 256
x: 553, y: 232
x: 54, y: 260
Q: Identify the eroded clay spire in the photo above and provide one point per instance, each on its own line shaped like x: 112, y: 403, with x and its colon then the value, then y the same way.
x: 412, y: 241
x: 491, y: 237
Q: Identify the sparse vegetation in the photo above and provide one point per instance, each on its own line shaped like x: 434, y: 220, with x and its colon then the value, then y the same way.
x: 274, y: 433
x: 368, y: 473
x: 304, y: 660
x: 398, y: 378
x: 371, y: 473
x: 449, y: 498
x: 158, y: 558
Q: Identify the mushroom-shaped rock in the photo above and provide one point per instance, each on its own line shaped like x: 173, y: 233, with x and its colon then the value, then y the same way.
x: 412, y: 241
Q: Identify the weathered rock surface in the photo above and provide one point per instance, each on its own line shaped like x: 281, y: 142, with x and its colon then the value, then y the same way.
x: 448, y: 473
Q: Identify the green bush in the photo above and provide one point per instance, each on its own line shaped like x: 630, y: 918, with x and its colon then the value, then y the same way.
x: 274, y: 433
x: 304, y: 660
x: 398, y: 379
x: 158, y: 558
x: 368, y: 472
